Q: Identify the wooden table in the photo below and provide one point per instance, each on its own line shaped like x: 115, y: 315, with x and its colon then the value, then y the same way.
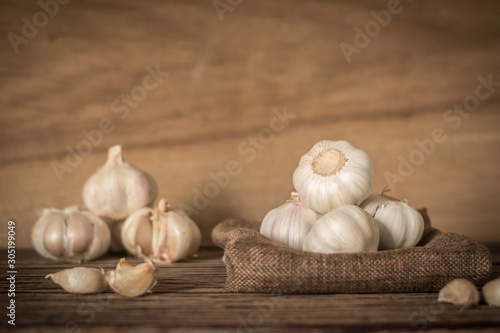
x: 190, y: 297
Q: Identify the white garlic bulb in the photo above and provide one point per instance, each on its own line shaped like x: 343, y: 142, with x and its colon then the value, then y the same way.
x: 163, y: 234
x: 400, y: 225
x: 118, y: 189
x: 70, y: 234
x: 491, y: 292
x: 81, y: 280
x: 345, y: 229
x: 131, y: 281
x: 459, y: 292
x: 289, y: 223
x: 332, y: 174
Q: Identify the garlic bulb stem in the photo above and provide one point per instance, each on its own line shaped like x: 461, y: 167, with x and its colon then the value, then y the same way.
x: 332, y: 174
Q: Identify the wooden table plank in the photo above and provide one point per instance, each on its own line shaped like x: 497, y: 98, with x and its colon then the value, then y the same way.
x: 190, y: 296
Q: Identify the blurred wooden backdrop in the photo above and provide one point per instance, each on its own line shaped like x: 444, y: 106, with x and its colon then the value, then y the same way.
x: 226, y: 76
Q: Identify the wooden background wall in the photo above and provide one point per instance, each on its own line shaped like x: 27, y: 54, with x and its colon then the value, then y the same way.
x: 225, y: 79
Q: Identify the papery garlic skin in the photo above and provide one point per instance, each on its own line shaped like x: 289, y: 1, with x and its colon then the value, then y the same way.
x: 400, y: 225
x: 117, y: 189
x: 491, y: 292
x: 345, y: 229
x: 332, y: 174
x: 131, y: 281
x: 459, y: 292
x: 289, y: 223
x: 71, y: 234
x: 81, y: 280
x: 163, y: 234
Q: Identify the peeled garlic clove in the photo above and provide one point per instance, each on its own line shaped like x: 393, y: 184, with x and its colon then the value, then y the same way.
x: 332, y: 174
x: 132, y: 281
x: 345, y: 229
x: 118, y: 189
x: 164, y: 234
x: 459, y: 292
x: 289, y: 223
x: 491, y: 292
x: 400, y: 225
x: 81, y: 280
x: 71, y: 234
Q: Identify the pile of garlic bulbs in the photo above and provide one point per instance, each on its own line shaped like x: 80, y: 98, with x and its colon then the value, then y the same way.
x: 117, y: 215
x: 332, y: 210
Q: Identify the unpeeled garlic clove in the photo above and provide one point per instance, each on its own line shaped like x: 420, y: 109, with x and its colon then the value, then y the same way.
x: 459, y: 292
x: 400, y: 225
x: 132, y: 281
x: 491, y: 292
x: 289, y: 223
x: 117, y: 189
x: 71, y: 234
x: 163, y: 234
x: 81, y: 280
x: 332, y: 174
x: 345, y: 229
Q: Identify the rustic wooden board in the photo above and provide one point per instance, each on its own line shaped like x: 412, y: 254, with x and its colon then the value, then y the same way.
x: 225, y: 79
x: 190, y: 296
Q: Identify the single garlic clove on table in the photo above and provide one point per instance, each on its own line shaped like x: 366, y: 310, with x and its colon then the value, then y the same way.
x: 491, y: 292
x: 118, y: 189
x: 332, y: 174
x: 71, y: 234
x: 345, y: 229
x: 81, y: 280
x: 163, y: 234
x: 289, y: 223
x: 459, y: 292
x: 400, y: 225
x: 131, y: 281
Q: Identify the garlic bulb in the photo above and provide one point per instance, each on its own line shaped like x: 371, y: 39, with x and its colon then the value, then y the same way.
x: 163, y: 234
x: 289, y: 223
x: 345, y: 229
x: 459, y: 292
x: 131, y: 281
x: 81, y: 280
x: 118, y: 189
x: 332, y: 174
x: 491, y: 292
x: 70, y: 234
x: 400, y: 225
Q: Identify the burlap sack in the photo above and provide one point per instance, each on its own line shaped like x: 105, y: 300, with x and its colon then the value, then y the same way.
x: 255, y: 263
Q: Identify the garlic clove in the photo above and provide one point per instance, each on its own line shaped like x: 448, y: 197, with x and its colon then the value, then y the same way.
x: 81, y: 280
x: 117, y: 189
x: 400, y: 225
x: 289, y: 223
x: 345, y: 229
x: 332, y: 174
x: 70, y: 234
x: 491, y: 292
x: 459, y: 292
x: 163, y: 234
x: 131, y: 281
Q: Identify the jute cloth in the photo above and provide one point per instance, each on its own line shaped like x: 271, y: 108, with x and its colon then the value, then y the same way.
x: 255, y: 263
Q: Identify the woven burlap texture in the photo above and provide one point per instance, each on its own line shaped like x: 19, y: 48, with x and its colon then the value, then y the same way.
x: 257, y: 264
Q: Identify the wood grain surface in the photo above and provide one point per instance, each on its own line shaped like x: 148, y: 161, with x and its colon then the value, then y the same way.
x: 90, y: 62
x: 190, y: 297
